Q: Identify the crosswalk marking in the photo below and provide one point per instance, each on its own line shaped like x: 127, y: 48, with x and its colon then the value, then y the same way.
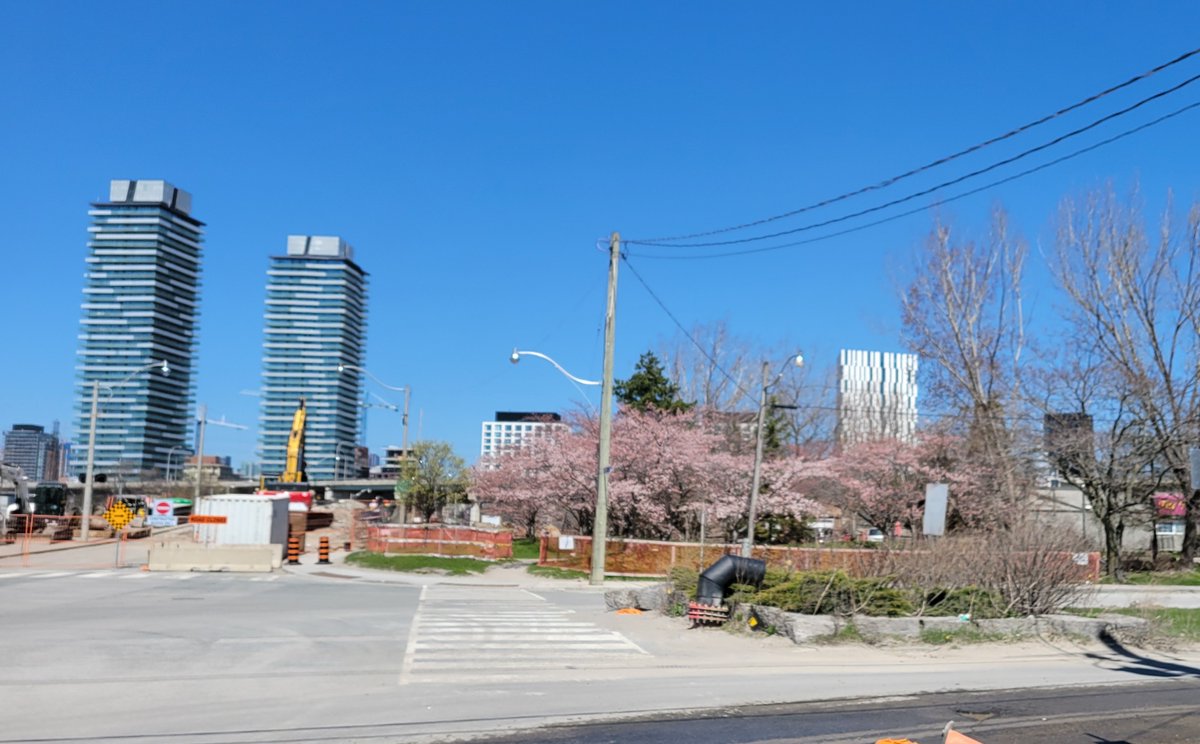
x: 482, y: 632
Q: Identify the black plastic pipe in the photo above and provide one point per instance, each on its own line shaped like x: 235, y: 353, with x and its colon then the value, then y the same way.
x: 727, y: 571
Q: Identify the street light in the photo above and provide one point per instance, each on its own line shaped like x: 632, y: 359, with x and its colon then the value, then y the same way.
x: 202, y: 420
x: 85, y: 529
x: 170, y: 455
x: 600, y: 522
x: 767, y: 383
x: 398, y: 388
x: 339, y: 469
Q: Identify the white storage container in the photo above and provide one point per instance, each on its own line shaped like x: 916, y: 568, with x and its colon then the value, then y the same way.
x: 249, y: 520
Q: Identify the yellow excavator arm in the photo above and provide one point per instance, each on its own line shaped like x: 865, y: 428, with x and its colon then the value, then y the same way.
x: 294, y: 472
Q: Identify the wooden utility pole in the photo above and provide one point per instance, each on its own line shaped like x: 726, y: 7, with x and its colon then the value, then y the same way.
x: 600, y: 523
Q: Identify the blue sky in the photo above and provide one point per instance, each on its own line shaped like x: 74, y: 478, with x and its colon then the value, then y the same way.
x: 473, y: 153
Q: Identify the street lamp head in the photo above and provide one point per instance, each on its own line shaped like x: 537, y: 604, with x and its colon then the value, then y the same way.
x: 341, y: 368
x: 799, y: 361
x: 516, y: 357
x: 166, y: 368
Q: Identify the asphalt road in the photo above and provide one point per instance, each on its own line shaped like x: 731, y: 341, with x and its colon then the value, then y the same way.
x: 115, y: 655
x: 1149, y: 713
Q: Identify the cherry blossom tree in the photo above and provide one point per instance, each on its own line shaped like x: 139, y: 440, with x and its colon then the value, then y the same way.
x: 666, y: 469
x: 883, y: 481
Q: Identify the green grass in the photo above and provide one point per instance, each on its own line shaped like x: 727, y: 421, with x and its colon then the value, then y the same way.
x: 959, y: 635
x: 1164, y: 578
x: 419, y: 563
x: 848, y: 633
x: 1177, y: 622
x: 554, y: 572
x: 526, y: 548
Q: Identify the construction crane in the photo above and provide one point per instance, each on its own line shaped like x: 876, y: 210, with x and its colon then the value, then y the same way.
x: 294, y: 470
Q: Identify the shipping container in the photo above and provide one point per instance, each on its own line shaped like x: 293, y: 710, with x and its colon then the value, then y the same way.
x: 249, y: 520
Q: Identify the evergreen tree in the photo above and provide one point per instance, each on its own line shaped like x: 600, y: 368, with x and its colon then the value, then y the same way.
x: 648, y: 388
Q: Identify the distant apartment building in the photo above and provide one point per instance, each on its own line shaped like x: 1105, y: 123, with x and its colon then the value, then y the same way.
x: 140, y: 305
x: 315, y: 320
x: 36, y: 452
x: 514, y: 429
x: 215, y: 467
x: 393, y: 457
x: 877, y: 396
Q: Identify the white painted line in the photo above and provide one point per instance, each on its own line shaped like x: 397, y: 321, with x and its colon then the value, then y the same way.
x: 10, y: 575
x: 536, y: 596
x: 410, y: 650
x: 95, y: 575
x: 138, y: 575
x: 550, y: 650
x: 55, y: 574
x: 465, y: 642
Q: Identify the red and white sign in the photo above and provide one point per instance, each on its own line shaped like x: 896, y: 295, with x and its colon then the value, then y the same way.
x: 163, y: 507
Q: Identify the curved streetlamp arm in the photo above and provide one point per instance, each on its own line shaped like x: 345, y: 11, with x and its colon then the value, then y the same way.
x: 517, y: 354
x: 367, y: 372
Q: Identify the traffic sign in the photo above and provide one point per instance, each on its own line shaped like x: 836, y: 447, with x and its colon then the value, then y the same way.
x: 118, y: 516
x: 162, y: 513
x: 207, y: 519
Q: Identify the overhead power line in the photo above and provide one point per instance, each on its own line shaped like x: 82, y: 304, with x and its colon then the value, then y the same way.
x: 932, y: 189
x: 801, y: 406
x: 947, y: 200
x: 940, y: 161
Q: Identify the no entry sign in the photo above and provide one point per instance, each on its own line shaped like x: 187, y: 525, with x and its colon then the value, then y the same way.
x: 162, y: 513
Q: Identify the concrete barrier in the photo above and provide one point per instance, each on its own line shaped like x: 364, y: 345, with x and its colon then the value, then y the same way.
x: 188, y: 557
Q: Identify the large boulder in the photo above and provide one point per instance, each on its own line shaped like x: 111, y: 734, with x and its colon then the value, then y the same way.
x: 654, y: 598
x: 620, y: 599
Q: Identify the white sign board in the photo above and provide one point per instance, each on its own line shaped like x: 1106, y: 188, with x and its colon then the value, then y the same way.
x: 566, y: 542
x: 1194, y: 455
x: 161, y: 513
x: 936, y: 496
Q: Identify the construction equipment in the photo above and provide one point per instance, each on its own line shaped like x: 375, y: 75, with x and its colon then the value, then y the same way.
x: 46, y: 499
x: 20, y: 504
x: 294, y: 470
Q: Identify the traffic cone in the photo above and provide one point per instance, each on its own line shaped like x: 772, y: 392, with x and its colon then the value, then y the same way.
x: 953, y: 737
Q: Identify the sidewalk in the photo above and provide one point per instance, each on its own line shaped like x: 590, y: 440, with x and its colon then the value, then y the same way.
x: 514, y: 574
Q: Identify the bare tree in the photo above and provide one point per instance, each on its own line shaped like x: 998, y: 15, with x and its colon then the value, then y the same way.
x: 963, y: 316
x: 1096, y: 441
x: 1137, y: 297
x: 811, y: 424
x: 697, y: 368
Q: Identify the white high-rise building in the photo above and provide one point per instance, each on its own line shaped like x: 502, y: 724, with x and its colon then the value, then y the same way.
x: 512, y: 430
x: 140, y: 294
x: 877, y: 395
x: 316, y: 320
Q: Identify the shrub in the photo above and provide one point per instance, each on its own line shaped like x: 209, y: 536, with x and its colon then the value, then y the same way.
x: 684, y: 580
x: 975, y: 601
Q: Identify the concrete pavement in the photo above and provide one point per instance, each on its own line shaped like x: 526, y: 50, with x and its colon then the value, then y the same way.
x: 337, y: 653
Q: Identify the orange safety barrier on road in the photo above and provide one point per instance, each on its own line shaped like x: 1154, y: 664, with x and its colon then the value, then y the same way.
x: 41, y: 541
x: 293, y: 550
x: 323, y: 552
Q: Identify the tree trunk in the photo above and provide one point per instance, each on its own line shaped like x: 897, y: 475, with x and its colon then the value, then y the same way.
x: 1114, y: 531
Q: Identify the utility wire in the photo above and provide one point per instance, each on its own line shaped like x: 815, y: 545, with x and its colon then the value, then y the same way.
x: 948, y: 200
x: 1012, y: 418
x: 940, y: 161
x: 683, y: 330
x: 931, y: 189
